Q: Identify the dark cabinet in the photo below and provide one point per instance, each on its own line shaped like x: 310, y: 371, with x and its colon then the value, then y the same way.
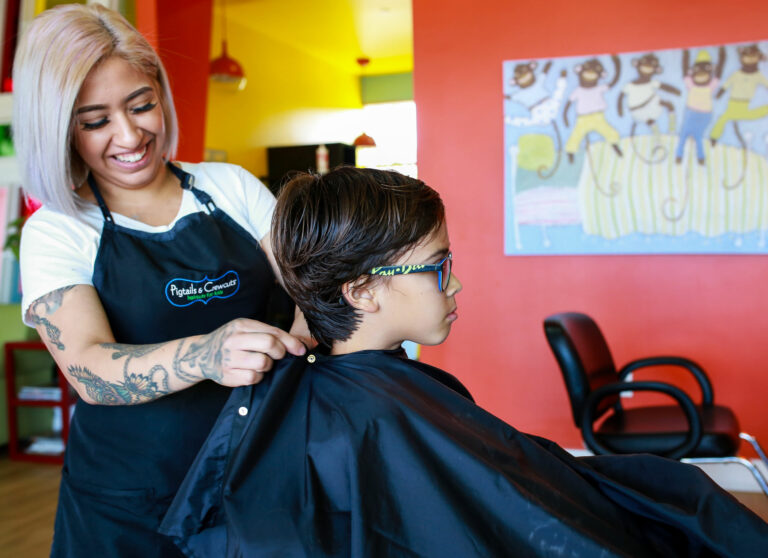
x: 283, y: 161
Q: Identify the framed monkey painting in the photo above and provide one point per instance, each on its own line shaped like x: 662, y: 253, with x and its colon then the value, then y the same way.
x: 638, y: 153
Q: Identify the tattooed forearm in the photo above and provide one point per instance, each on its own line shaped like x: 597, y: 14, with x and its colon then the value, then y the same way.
x: 135, y: 388
x: 202, y: 359
x: 135, y: 351
x: 45, y: 306
x: 99, y: 390
x: 163, y: 374
x: 52, y: 332
x: 130, y: 351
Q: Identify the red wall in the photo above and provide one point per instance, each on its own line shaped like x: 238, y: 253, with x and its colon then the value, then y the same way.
x: 181, y: 33
x: 710, y: 308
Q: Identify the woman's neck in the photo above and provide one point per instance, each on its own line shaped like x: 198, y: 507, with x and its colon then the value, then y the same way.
x: 156, y: 204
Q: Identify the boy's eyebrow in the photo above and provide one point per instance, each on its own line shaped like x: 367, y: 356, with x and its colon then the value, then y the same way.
x: 128, y: 99
x: 439, y: 252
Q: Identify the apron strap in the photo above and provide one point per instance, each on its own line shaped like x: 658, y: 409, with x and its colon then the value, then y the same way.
x: 187, y: 183
x: 102, y: 204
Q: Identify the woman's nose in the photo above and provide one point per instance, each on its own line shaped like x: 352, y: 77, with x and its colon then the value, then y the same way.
x: 127, y: 133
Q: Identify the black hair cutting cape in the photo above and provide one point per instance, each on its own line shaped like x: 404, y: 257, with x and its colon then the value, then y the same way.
x: 371, y: 454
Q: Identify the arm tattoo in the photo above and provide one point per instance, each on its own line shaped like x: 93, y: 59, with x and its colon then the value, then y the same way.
x: 135, y: 388
x: 99, y: 390
x: 203, y: 359
x: 45, y: 306
x: 130, y: 351
x: 51, y: 331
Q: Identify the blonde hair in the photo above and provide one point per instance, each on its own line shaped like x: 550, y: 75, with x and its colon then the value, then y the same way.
x: 56, y: 53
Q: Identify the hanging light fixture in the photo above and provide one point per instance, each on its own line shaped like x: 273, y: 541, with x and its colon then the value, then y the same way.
x: 363, y: 140
x: 225, y: 69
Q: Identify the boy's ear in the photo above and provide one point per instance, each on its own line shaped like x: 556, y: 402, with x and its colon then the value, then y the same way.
x: 360, y: 295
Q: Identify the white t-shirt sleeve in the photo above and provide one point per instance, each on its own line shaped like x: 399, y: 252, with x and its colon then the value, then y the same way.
x: 56, y: 251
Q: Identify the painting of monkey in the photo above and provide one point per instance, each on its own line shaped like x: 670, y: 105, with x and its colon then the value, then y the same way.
x: 589, y: 99
x: 742, y: 85
x: 643, y: 100
x: 701, y: 80
x: 530, y: 91
x: 621, y: 191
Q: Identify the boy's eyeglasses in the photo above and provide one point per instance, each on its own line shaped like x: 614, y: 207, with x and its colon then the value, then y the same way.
x: 443, y: 269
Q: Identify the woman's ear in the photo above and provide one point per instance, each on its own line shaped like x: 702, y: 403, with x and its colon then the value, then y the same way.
x: 361, y: 294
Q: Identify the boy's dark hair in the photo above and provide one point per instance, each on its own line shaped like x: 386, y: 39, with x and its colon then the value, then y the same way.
x: 332, y: 229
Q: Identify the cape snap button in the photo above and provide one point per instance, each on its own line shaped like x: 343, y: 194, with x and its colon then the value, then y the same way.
x: 311, y: 359
x: 242, y: 411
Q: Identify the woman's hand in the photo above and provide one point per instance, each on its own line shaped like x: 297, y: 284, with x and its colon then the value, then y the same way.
x: 239, y: 352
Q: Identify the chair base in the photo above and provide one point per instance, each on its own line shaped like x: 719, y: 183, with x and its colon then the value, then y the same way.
x: 753, y: 441
x: 756, y: 473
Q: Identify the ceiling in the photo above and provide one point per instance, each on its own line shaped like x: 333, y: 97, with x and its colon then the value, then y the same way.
x: 336, y: 31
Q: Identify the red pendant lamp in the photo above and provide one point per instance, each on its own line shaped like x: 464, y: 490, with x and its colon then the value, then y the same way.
x: 225, y: 69
x: 364, y: 140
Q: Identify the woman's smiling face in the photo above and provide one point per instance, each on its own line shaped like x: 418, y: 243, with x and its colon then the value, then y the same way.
x: 119, y: 130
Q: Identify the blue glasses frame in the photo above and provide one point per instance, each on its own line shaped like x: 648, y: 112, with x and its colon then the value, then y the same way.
x: 443, y: 269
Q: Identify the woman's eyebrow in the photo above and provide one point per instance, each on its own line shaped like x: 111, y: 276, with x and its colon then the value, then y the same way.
x: 88, y: 108
x: 138, y: 92
x: 129, y: 98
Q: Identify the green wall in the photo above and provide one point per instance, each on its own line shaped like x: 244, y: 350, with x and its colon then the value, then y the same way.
x: 32, y: 367
x: 386, y: 88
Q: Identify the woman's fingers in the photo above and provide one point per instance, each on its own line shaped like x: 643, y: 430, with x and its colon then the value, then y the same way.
x: 257, y: 336
x: 257, y: 343
x: 250, y: 349
x: 290, y: 343
x: 257, y: 360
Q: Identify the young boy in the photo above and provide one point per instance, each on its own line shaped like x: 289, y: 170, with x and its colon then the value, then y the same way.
x: 354, y: 450
x: 367, y: 258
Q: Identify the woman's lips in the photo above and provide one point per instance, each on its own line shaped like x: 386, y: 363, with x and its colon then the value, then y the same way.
x: 128, y: 161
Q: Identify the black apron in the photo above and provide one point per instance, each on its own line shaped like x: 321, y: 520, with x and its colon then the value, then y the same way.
x: 124, y: 463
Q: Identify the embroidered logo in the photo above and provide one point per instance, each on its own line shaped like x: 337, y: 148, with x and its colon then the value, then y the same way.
x: 183, y: 292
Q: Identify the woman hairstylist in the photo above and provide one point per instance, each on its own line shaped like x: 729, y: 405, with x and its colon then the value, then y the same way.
x: 134, y: 272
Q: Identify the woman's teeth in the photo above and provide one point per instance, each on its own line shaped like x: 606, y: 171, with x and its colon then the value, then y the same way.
x: 132, y: 157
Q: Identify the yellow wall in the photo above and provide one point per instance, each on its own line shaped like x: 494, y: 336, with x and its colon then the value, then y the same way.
x: 292, y: 98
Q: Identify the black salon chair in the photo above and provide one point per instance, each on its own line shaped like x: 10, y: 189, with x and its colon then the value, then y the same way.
x: 703, y: 433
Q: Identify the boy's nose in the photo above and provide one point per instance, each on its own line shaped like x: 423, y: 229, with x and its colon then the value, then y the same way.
x: 454, y: 285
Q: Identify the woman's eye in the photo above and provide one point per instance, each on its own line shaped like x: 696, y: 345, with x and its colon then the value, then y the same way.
x: 143, y: 108
x: 94, y: 125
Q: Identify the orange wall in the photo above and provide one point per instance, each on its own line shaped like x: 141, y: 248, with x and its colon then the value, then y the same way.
x: 180, y: 31
x: 710, y: 308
